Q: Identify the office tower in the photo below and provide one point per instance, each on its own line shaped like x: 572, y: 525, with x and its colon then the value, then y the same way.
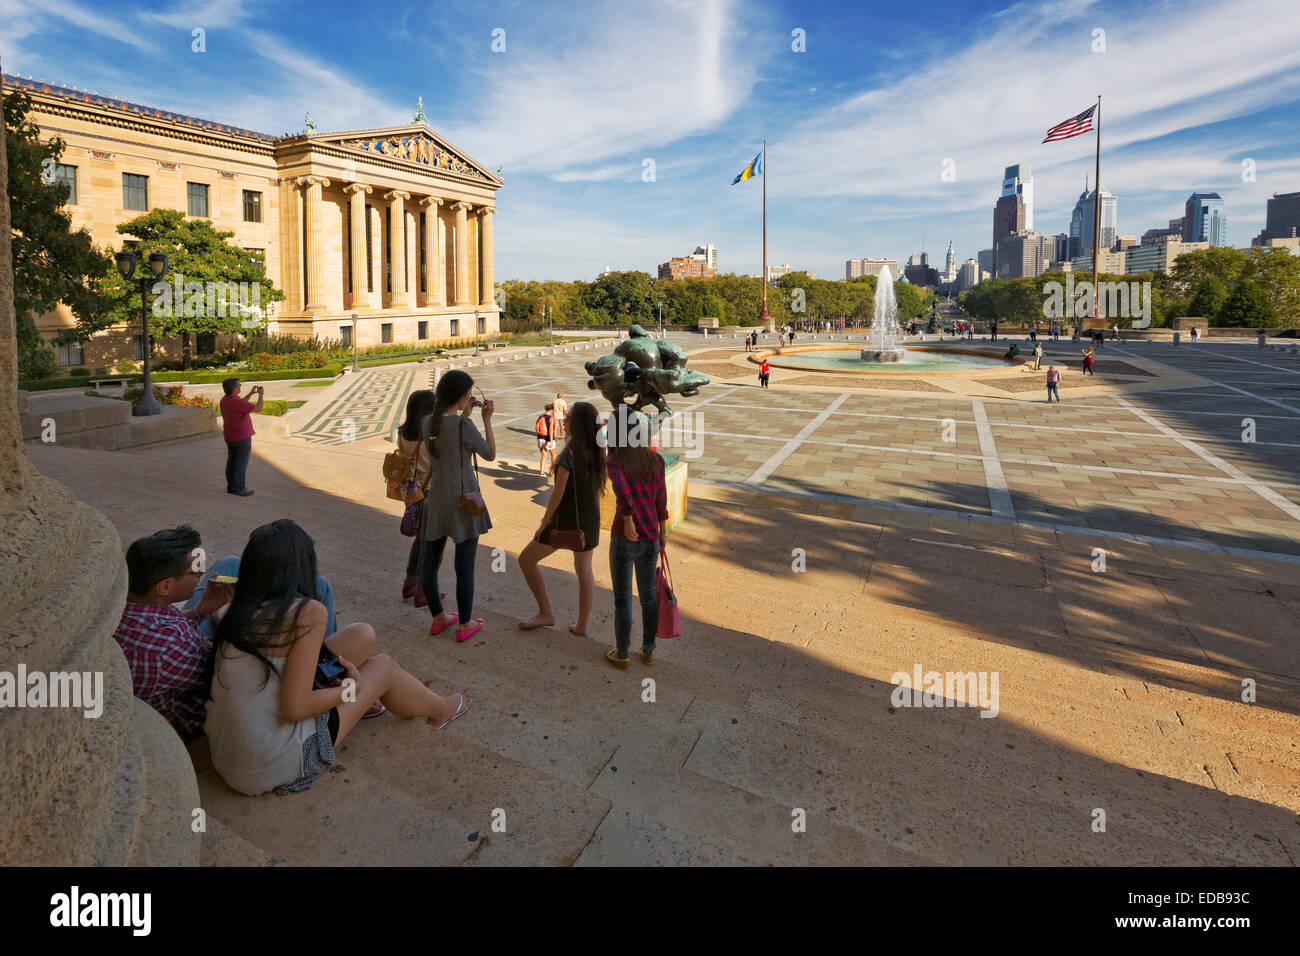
x: 1203, y: 219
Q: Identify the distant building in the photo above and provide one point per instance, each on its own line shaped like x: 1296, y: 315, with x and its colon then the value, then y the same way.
x: 1203, y: 219
x: 985, y: 258
x: 708, y: 254
x: 968, y: 276
x: 1027, y: 253
x: 1158, y: 256
x: 1281, y: 220
x: 919, y: 272
x: 1112, y: 263
x: 856, y: 268
x: 775, y: 272
x: 1152, y: 236
x: 1018, y: 180
x: 950, y: 265
x: 1008, y: 219
x: 1083, y: 220
x: 686, y: 267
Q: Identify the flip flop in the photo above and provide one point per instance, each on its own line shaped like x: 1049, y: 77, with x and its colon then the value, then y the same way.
x: 619, y: 662
x: 464, y: 634
x: 374, y: 710
x: 647, y: 659
x: 460, y: 709
x: 436, y: 628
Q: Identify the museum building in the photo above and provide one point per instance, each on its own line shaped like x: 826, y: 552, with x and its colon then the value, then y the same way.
x: 393, y: 224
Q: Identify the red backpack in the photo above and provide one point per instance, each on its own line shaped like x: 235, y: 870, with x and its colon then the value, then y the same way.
x: 543, y: 426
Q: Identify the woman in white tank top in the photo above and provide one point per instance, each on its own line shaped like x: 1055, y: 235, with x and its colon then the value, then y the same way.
x: 269, y: 727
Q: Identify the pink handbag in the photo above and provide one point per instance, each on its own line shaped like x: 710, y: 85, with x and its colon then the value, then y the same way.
x: 670, y: 619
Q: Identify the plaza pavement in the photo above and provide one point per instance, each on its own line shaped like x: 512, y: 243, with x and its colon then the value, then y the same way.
x: 1120, y: 690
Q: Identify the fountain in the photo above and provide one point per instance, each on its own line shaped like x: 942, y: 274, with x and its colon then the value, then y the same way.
x: 885, y: 336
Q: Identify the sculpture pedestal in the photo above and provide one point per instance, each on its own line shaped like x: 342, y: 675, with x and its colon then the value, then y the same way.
x: 674, y: 478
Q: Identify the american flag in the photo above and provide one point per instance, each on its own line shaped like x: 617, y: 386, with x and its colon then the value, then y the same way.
x: 1074, y: 126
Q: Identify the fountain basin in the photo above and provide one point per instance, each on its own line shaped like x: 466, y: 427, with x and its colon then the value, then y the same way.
x: 914, y: 360
x: 882, y: 355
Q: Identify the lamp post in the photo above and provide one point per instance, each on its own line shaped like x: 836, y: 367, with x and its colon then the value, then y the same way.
x: 660, y: 303
x: 550, y: 324
x: 126, y: 266
x: 476, y: 321
x: 355, y: 366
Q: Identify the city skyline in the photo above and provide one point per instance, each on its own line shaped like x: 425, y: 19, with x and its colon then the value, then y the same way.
x: 871, y: 142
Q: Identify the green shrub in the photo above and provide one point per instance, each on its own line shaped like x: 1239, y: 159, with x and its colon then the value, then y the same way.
x: 101, y: 370
x: 37, y: 363
x: 124, y: 367
x: 249, y: 375
x: 274, y: 407
x: 47, y: 384
x: 169, y: 396
x: 79, y: 372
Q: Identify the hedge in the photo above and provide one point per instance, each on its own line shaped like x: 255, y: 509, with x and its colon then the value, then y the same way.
x: 81, y: 381
x: 216, y: 376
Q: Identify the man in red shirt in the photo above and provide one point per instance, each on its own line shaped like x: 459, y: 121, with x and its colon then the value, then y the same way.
x: 237, y: 427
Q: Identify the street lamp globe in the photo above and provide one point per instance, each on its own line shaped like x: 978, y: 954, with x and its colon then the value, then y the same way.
x: 126, y: 262
x: 158, y: 264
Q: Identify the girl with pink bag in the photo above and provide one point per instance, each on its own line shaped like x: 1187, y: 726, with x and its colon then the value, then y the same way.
x: 636, y: 473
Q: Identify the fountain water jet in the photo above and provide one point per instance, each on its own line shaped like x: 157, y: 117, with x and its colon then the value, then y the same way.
x: 884, y: 342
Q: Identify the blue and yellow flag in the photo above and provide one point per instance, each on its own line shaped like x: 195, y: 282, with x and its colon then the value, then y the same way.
x: 753, y: 169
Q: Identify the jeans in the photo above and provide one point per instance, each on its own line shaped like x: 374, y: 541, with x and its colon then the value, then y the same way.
x: 229, y: 565
x: 1053, y: 389
x: 237, y: 455
x: 431, y: 560
x: 625, y: 557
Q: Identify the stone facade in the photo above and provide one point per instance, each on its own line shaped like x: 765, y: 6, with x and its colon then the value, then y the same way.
x: 392, y: 223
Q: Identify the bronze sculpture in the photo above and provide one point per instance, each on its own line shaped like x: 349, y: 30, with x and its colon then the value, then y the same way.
x: 646, y: 370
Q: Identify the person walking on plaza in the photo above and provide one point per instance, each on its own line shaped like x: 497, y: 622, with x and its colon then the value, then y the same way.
x: 993, y: 330
x: 1114, y: 332
x: 1088, y: 356
x: 764, y: 372
x: 1053, y: 383
x: 1193, y: 336
x: 1038, y: 355
x: 410, y: 446
x: 237, y: 429
x: 560, y: 414
x: 453, y: 507
x: 637, y: 535
x: 1033, y: 333
x: 574, y: 505
x: 269, y: 726
x: 545, y: 428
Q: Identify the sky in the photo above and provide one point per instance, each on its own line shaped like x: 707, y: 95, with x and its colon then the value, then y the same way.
x: 619, y: 126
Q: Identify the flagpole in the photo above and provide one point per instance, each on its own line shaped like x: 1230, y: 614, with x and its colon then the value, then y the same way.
x: 766, y: 316
x: 1096, y: 227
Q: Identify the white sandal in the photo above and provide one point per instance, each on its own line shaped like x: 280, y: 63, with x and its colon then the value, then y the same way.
x: 460, y: 709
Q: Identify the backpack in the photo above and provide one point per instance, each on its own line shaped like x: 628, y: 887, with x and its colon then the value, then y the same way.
x: 399, y: 472
x: 543, y: 426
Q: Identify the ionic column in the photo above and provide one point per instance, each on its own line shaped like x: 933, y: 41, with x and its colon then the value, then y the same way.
x: 312, y: 243
x: 412, y: 258
x: 461, y: 293
x: 360, y: 290
x: 487, y: 294
x: 397, y: 265
x: 435, y: 270
x: 376, y: 258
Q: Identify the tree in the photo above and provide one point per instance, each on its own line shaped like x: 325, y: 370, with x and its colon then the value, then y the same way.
x: 52, y: 263
x: 1247, y: 306
x: 1277, y: 273
x: 220, y: 285
x: 1204, y: 278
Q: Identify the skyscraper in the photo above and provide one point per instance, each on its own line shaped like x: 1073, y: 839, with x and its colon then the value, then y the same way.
x: 1084, y: 217
x: 1282, y: 218
x: 1018, y: 180
x: 707, y: 254
x: 950, y: 265
x: 1203, y: 219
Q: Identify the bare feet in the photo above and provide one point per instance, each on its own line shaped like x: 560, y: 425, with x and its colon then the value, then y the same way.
x: 536, y: 621
x: 580, y: 631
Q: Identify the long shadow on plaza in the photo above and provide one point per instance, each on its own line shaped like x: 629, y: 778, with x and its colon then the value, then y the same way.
x: 748, y: 724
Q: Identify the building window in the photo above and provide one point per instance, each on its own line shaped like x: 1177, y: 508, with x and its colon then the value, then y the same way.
x: 205, y: 343
x: 482, y: 325
x: 68, y: 175
x: 196, y: 196
x: 135, y: 192
x: 386, y: 332
x: 252, y: 206
x: 70, y: 353
x: 256, y: 255
x: 455, y: 327
x: 422, y: 330
x: 345, y: 336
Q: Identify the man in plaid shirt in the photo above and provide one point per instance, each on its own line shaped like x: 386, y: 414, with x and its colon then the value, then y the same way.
x: 165, y: 647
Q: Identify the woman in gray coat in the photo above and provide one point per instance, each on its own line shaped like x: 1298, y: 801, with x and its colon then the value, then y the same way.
x: 453, y: 441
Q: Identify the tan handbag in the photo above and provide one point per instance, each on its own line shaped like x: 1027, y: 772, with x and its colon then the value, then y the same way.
x: 472, y: 504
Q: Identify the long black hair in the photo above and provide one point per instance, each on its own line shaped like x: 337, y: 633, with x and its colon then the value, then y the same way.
x: 276, y: 571
x: 588, y: 456
x: 628, y: 440
x: 452, y: 387
x: 418, y: 407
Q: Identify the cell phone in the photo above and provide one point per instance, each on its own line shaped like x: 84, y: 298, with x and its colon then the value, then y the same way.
x: 224, y: 579
x: 328, y: 669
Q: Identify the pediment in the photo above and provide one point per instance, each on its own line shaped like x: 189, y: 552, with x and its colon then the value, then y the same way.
x: 416, y: 144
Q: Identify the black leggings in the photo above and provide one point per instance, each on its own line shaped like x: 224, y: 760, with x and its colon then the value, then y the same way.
x: 431, y: 560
